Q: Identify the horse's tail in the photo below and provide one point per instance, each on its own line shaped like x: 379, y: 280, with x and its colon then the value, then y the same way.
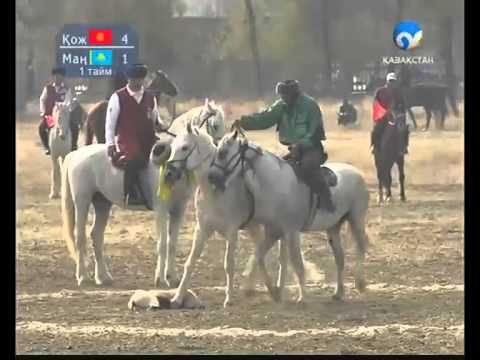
x: 68, y: 208
x: 450, y: 95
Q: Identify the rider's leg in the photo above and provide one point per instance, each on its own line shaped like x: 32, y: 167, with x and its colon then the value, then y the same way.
x: 74, y: 130
x: 310, y: 166
x: 43, y: 133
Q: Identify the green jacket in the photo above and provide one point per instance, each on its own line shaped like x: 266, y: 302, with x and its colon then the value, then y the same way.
x: 301, y: 124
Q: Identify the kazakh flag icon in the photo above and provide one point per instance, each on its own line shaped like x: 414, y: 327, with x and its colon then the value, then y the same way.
x: 101, y: 57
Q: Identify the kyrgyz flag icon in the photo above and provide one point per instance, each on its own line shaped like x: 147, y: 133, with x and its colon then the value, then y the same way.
x: 100, y: 36
x: 101, y: 57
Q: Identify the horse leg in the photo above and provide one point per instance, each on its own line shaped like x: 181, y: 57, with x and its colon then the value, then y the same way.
x: 260, y: 252
x: 102, y: 211
x: 356, y: 220
x: 401, y: 177
x: 378, y: 166
x: 89, y: 132
x: 202, y: 233
x: 174, y: 224
x: 81, y: 214
x: 55, y: 179
x: 388, y: 184
x: 229, y: 265
x: 250, y: 271
x: 161, y: 217
x: 428, y: 112
x: 336, y: 245
x: 412, y: 116
x: 296, y: 259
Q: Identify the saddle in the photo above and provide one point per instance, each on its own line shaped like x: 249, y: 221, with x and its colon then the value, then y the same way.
x: 327, y: 173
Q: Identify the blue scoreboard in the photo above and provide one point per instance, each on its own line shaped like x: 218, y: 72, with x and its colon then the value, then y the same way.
x: 96, y: 50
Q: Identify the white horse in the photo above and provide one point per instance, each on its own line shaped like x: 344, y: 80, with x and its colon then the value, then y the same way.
x: 287, y: 206
x: 223, y: 212
x: 60, y: 142
x: 88, y: 177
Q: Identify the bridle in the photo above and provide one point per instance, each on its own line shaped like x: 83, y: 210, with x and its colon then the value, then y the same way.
x: 227, y: 171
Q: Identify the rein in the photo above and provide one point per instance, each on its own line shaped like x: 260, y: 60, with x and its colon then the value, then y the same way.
x: 240, y: 156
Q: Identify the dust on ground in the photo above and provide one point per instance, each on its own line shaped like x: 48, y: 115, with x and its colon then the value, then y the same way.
x: 414, y: 268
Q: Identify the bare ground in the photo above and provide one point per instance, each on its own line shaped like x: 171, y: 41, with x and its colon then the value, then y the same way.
x: 414, y: 268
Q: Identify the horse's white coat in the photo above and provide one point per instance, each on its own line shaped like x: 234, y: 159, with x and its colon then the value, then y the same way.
x: 88, y: 171
x: 282, y: 203
x: 60, y: 143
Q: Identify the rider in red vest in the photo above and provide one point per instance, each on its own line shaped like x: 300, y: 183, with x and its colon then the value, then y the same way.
x: 54, y: 91
x: 388, y: 101
x: 129, y: 129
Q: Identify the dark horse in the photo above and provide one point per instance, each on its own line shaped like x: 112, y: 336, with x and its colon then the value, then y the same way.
x: 391, y: 151
x: 433, y: 98
x: 161, y: 84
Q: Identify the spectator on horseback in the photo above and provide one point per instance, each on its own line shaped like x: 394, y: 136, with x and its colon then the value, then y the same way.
x: 55, y: 91
x: 347, y: 113
x: 300, y: 126
x: 129, y: 129
x: 389, y: 102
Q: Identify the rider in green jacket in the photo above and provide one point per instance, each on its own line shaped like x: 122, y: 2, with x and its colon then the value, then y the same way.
x: 300, y: 126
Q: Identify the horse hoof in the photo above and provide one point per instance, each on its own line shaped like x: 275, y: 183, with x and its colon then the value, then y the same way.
x: 361, y: 285
x: 83, y: 281
x: 424, y: 129
x: 403, y: 198
x: 275, y: 293
x: 389, y: 200
x: 337, y: 297
x: 300, y: 302
x: 104, y: 282
x: 54, y: 196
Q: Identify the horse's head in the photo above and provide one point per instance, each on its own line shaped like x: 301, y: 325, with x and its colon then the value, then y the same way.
x: 161, y: 84
x: 225, y: 165
x: 61, y: 114
x: 214, y: 118
x: 189, y: 150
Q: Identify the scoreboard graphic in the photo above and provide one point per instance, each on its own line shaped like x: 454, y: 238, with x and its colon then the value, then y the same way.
x: 96, y: 50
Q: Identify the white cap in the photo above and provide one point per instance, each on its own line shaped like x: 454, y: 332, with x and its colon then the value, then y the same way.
x: 391, y: 76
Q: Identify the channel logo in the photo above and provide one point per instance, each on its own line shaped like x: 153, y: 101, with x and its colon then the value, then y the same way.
x: 407, y: 35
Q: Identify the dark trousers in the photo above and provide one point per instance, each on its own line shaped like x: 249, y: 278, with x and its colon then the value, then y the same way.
x: 131, y: 178
x: 43, y: 132
x: 310, y: 161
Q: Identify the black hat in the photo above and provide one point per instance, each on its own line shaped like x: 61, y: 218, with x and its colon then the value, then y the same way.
x: 287, y: 87
x: 59, y: 70
x: 137, y: 71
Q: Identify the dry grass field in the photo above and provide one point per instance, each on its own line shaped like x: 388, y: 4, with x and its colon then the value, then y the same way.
x: 414, y: 267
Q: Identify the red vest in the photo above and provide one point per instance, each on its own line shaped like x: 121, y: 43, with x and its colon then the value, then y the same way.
x: 135, y: 132
x: 53, y: 96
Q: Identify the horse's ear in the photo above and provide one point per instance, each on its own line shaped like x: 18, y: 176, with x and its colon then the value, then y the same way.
x: 206, y: 101
x: 235, y: 134
x: 189, y: 127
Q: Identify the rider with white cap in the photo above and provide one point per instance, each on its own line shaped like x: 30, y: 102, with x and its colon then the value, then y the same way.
x: 389, y: 101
